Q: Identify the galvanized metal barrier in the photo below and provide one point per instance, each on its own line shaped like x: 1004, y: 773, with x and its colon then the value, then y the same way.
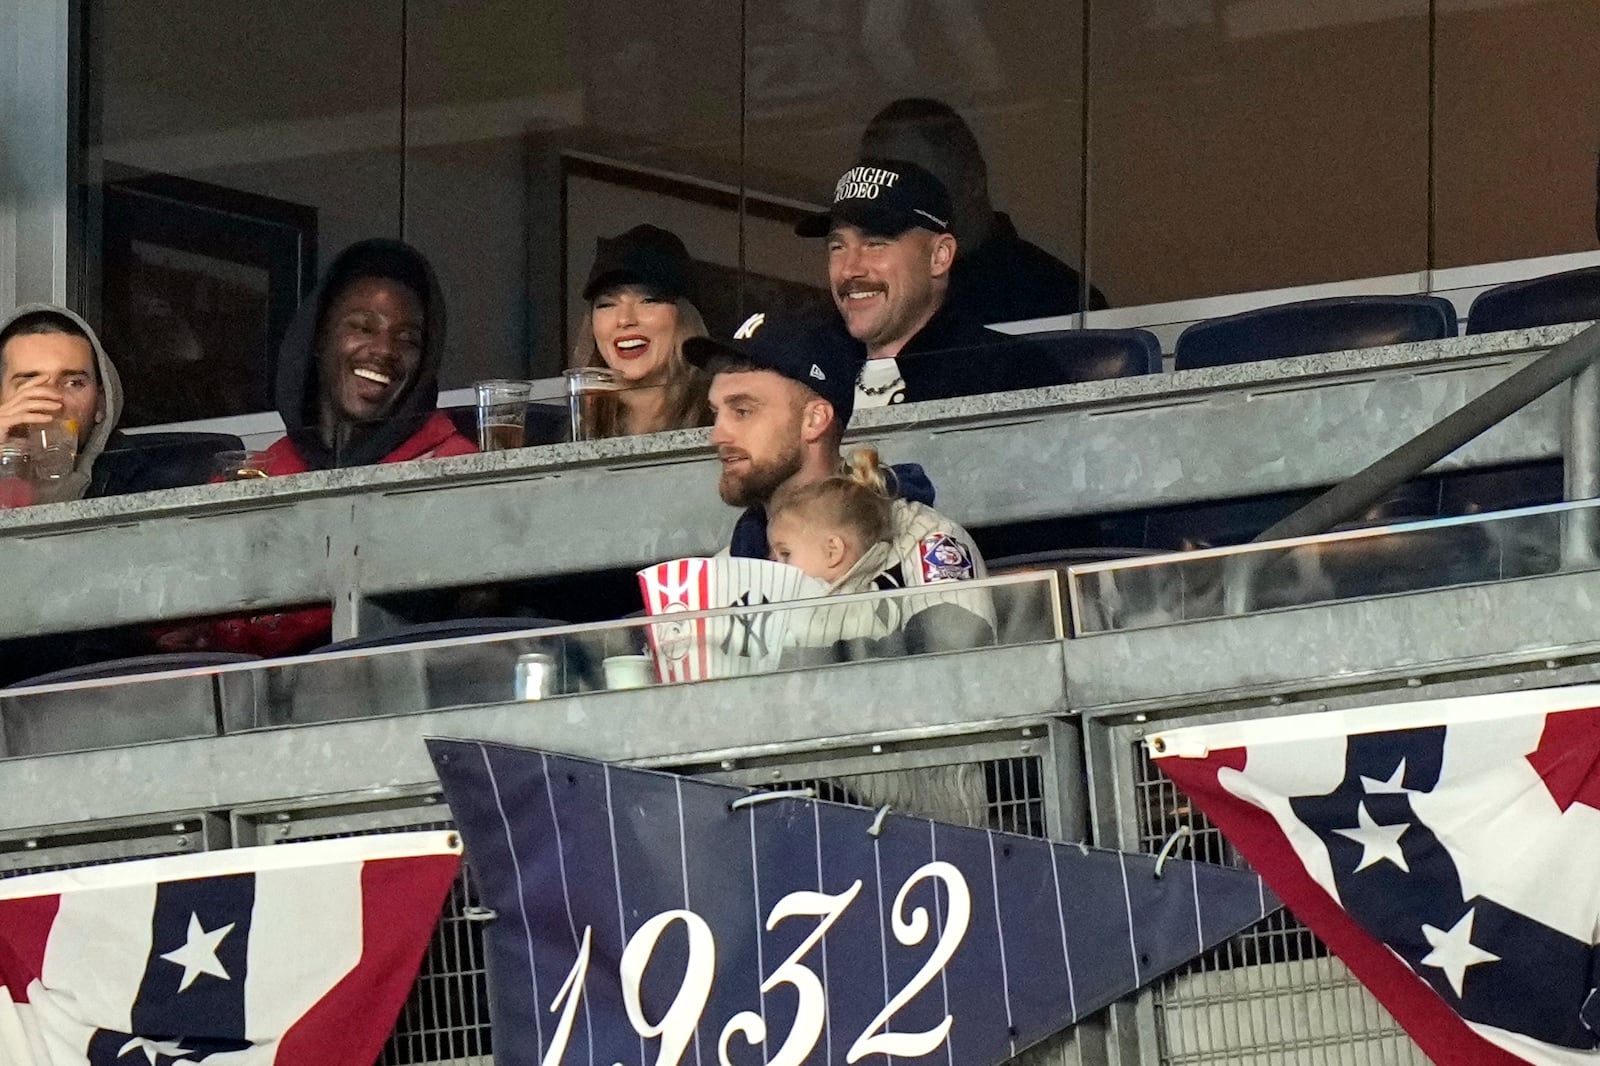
x: 360, y: 538
x: 1274, y: 995
x: 1034, y: 737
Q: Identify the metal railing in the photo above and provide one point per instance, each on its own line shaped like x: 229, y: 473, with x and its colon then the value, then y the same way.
x: 1575, y: 359
x: 1042, y: 736
x: 368, y: 541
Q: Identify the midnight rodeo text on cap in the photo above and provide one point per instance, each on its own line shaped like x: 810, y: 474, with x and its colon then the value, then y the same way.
x: 864, y: 183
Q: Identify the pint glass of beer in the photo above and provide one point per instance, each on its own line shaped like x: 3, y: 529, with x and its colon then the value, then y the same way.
x: 588, y: 388
x: 503, y: 414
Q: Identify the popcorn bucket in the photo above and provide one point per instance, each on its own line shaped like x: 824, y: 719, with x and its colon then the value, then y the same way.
x: 720, y: 647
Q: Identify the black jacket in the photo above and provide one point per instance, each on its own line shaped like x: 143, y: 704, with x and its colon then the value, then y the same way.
x: 954, y: 355
x: 1006, y: 278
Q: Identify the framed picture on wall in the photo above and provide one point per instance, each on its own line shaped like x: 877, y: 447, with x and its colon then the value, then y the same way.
x: 199, y: 285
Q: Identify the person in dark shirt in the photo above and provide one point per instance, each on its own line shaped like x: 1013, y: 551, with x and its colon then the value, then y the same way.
x: 999, y: 276
x: 890, y: 255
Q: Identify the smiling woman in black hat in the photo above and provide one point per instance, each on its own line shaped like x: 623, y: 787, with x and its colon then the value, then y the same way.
x: 641, y: 311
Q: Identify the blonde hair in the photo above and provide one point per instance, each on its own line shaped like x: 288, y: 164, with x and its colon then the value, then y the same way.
x: 858, y: 497
x: 688, y: 387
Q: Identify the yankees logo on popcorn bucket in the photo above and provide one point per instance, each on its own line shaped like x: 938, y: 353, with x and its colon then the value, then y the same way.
x: 740, y: 643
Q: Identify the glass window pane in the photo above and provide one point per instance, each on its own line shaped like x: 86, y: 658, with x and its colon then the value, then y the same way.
x: 1517, y: 115
x: 818, y: 73
x: 1255, y: 144
x: 228, y: 146
x: 536, y: 129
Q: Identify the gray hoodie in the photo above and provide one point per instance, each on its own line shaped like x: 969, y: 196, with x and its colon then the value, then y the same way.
x: 76, y: 484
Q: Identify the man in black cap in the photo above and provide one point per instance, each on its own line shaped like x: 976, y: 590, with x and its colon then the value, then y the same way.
x: 783, y: 391
x: 890, y: 255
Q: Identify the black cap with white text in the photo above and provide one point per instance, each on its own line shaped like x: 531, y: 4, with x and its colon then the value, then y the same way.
x: 885, y: 197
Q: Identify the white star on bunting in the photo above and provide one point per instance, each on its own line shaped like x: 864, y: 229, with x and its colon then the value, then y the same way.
x: 199, y: 953
x: 1379, y: 843
x: 1453, y: 951
x: 153, y: 1049
x: 1391, y: 787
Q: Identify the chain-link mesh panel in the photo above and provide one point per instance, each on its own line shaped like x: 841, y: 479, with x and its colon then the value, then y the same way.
x: 446, y: 1017
x: 1272, y: 994
x: 1016, y: 795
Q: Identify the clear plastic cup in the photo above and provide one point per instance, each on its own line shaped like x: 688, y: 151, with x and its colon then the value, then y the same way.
x: 54, y: 448
x: 503, y: 414
x: 237, y: 466
x: 16, y: 476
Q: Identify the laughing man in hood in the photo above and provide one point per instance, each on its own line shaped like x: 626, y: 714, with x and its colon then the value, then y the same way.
x: 357, y: 384
x: 358, y: 371
x: 52, y: 366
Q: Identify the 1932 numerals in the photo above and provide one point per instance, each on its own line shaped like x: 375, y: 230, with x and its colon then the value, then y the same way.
x: 676, y: 1027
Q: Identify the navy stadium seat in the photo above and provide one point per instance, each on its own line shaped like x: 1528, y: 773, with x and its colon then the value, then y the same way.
x: 139, y: 664
x: 448, y: 629
x: 144, y: 462
x: 1571, y: 296
x: 1311, y: 327
x: 1098, y: 354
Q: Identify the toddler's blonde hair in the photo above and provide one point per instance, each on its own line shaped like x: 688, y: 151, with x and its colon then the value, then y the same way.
x: 858, y: 497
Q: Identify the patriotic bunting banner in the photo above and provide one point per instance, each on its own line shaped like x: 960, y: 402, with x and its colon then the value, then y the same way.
x: 646, y: 918
x: 1447, y: 851
x: 296, y: 954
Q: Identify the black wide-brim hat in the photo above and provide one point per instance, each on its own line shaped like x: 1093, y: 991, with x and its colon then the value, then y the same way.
x: 645, y: 255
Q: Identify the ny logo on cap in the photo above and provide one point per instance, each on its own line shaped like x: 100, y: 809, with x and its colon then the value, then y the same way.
x: 751, y: 324
x: 816, y: 372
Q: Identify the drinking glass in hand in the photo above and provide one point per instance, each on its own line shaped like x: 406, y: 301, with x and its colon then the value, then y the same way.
x: 54, y: 447
x: 16, y: 476
x: 503, y: 414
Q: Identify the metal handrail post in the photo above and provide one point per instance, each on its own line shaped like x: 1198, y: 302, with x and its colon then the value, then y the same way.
x: 1581, y: 467
x: 1238, y: 583
x: 1359, y: 491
